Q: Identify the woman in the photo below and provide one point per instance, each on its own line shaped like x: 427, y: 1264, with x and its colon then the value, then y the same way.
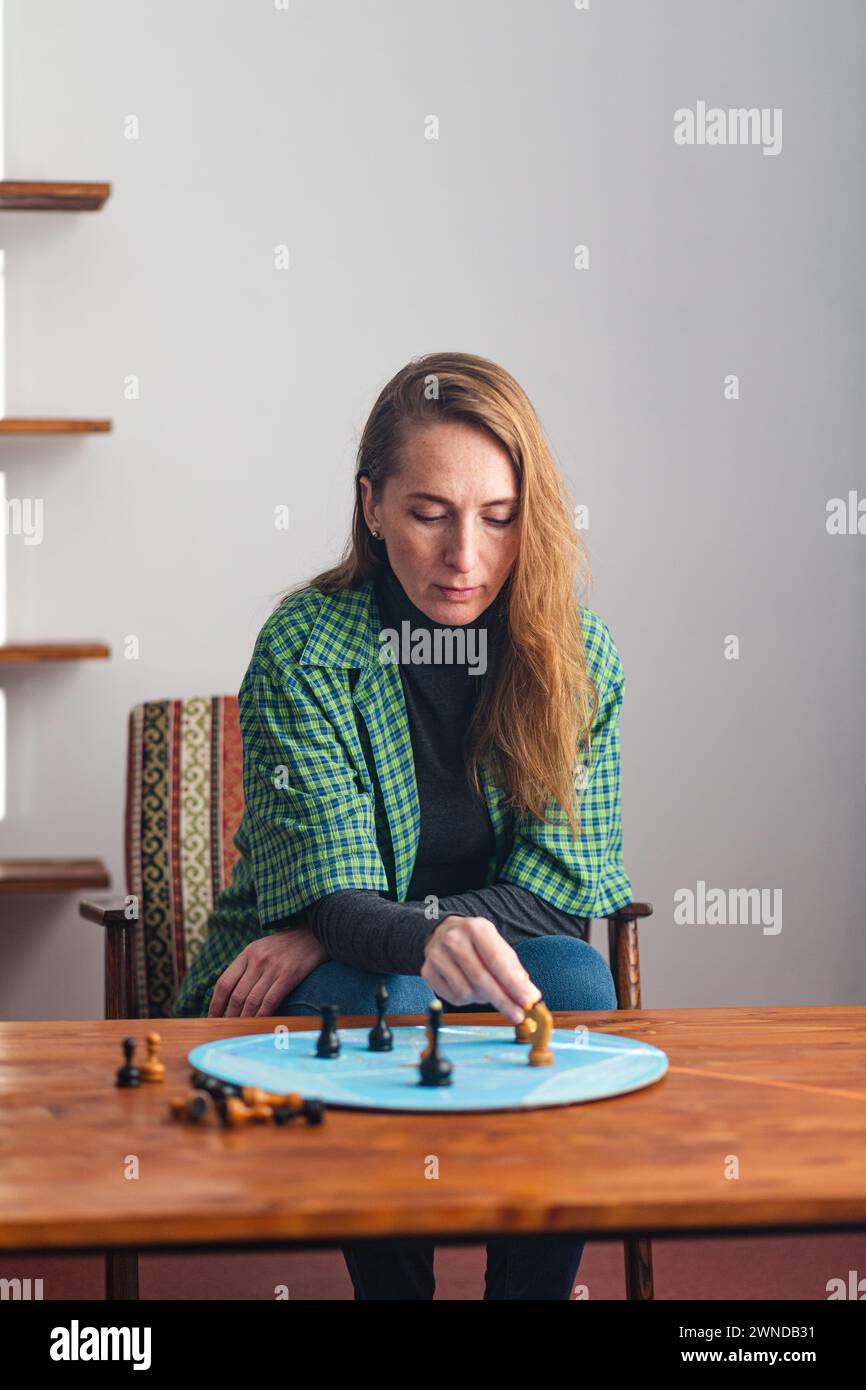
x: 431, y: 761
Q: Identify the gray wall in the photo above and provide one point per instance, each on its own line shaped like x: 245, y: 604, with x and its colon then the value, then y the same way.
x: 707, y: 516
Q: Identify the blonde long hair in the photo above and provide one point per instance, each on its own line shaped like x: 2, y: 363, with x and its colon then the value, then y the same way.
x: 532, y: 722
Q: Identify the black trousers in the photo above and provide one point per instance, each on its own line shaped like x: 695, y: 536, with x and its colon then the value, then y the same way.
x: 521, y: 1267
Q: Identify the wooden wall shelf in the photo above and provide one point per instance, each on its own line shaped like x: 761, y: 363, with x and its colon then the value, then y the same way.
x: 21, y: 424
x: 54, y: 651
x: 29, y: 195
x: 52, y: 875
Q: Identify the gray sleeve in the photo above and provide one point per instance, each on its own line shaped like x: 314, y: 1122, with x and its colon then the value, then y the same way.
x: 359, y: 927
x: 517, y: 914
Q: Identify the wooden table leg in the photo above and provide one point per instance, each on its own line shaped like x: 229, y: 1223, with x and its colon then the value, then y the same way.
x: 638, y: 1267
x: 121, y: 1274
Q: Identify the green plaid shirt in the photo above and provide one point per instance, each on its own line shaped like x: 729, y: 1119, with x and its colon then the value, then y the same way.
x: 330, y: 795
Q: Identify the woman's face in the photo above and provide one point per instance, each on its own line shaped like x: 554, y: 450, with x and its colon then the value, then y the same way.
x: 449, y: 520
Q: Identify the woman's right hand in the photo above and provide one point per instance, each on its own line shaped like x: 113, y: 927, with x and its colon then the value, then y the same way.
x: 466, y: 961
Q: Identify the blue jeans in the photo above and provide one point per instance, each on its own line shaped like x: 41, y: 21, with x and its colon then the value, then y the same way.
x: 571, y: 975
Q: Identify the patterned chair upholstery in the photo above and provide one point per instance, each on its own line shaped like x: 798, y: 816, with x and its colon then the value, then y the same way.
x: 184, y: 801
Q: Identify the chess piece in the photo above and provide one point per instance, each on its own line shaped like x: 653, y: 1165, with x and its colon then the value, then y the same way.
x: 217, y: 1090
x: 153, y: 1069
x: 233, y: 1113
x: 197, y: 1106
x: 283, y: 1114
x: 254, y: 1095
x: 128, y: 1075
x: 311, y: 1110
x: 314, y: 1112
x: 540, y: 1054
x: 523, y: 1032
x: 434, y: 1069
x: 381, y: 1039
x: 194, y: 1106
x: 328, y: 1044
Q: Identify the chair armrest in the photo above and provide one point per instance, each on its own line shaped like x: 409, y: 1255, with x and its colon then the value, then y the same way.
x: 119, y: 917
x: 631, y: 911
x: 107, y: 912
x: 623, y: 952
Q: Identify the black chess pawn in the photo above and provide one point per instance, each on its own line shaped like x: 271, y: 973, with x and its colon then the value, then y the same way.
x: 221, y: 1090
x: 216, y: 1089
x: 182, y: 1108
x: 381, y: 1039
x: 198, y: 1106
x: 434, y: 1069
x: 313, y: 1112
x: 329, y: 1042
x: 129, y: 1074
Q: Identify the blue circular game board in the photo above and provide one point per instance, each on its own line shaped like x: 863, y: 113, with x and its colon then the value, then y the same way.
x: 491, y: 1070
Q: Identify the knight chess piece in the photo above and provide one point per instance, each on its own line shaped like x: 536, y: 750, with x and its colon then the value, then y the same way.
x: 540, y: 1054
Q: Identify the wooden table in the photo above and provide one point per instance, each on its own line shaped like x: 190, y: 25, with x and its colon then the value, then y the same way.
x: 780, y: 1092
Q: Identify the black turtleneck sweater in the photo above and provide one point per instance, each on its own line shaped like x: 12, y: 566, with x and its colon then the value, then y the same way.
x: 362, y: 928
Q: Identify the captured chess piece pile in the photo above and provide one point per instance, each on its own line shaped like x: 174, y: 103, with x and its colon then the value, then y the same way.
x: 242, y: 1105
x: 233, y: 1105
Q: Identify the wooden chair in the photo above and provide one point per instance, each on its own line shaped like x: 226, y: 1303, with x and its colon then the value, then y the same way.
x: 184, y: 800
